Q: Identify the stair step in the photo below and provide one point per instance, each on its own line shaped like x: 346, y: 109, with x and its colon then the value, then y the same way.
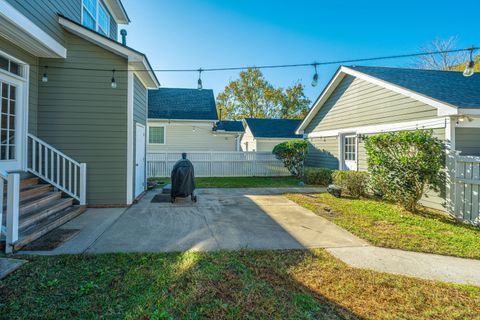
x: 47, y: 225
x: 35, y: 203
x: 34, y: 191
x: 24, y: 183
x: 44, y: 212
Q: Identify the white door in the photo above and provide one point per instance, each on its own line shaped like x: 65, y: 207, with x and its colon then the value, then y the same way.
x: 12, y: 135
x: 139, y: 160
x: 349, y: 152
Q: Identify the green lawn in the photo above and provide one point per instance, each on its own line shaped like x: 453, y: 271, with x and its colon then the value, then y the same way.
x: 387, y: 225
x: 295, y: 284
x: 240, y: 182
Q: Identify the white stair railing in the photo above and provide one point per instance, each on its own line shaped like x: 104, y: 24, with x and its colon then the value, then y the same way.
x: 56, y: 168
x: 13, y: 208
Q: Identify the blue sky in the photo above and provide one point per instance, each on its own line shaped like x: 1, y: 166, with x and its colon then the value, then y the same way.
x: 221, y: 33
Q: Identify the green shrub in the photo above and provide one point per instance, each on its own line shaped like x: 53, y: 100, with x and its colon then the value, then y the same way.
x: 318, y: 176
x: 292, y: 153
x: 403, y: 165
x: 354, y: 183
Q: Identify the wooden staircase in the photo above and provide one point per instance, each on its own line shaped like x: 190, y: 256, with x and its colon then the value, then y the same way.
x: 42, y: 209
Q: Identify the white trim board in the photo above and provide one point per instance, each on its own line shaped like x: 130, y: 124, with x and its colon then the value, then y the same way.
x: 443, y: 109
x: 24, y: 33
x: 389, y: 127
x: 130, y: 137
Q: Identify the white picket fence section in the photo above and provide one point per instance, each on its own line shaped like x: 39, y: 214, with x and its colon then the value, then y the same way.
x: 218, y: 164
x: 465, y: 188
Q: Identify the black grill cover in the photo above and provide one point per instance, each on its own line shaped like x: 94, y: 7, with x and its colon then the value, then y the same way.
x: 183, y: 179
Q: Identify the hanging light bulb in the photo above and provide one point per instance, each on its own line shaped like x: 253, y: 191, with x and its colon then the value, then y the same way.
x: 45, y: 74
x: 315, y: 76
x: 470, y: 68
x: 114, y: 83
x: 200, y: 85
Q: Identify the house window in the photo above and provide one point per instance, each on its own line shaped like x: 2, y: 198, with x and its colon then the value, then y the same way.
x: 350, y: 148
x: 156, y: 135
x: 95, y: 16
x: 9, y: 66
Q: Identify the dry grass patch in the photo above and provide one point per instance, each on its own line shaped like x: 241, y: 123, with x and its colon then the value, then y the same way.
x: 387, y: 225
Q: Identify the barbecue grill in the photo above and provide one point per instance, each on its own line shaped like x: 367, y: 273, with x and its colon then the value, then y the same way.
x: 183, y: 180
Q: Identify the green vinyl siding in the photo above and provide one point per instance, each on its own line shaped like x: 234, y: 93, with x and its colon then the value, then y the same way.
x: 323, y: 152
x: 140, y: 107
x: 356, y: 102
x: 467, y: 140
x: 44, y: 13
x: 11, y: 49
x: 81, y: 115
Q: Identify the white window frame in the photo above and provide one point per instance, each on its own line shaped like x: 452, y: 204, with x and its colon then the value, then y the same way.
x: 164, y: 134
x: 21, y: 118
x: 97, y: 26
x: 341, y: 148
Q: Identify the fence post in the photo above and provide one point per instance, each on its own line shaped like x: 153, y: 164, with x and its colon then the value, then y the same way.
x: 13, y: 203
x: 83, y: 184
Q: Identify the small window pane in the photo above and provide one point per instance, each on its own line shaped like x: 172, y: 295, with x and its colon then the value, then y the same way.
x: 103, y: 20
x: 156, y: 135
x: 14, y: 68
x: 13, y: 92
x: 12, y: 107
x: 3, y: 63
x: 11, y: 153
x: 4, y: 90
x: 91, y: 6
x: 4, y: 105
x: 88, y: 20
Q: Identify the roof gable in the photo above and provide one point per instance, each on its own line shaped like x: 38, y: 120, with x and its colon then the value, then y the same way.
x: 182, y: 104
x: 425, y: 82
x: 447, y: 86
x: 273, y: 128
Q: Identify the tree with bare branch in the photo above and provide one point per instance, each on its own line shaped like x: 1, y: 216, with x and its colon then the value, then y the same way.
x: 441, y: 61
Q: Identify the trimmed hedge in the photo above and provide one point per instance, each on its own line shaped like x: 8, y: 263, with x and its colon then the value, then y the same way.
x: 318, y: 176
x: 354, y: 183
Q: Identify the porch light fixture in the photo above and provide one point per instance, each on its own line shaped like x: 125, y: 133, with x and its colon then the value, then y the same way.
x: 470, y: 68
x: 114, y: 83
x: 200, y: 85
x: 45, y: 74
x: 315, y: 76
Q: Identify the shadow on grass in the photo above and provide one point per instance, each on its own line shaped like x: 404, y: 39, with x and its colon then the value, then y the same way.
x: 219, y: 285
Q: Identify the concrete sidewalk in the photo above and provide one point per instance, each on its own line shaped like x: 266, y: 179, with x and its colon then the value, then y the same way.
x: 414, y: 264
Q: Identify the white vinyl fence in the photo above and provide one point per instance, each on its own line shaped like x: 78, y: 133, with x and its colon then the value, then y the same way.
x: 218, y: 164
x: 465, y: 187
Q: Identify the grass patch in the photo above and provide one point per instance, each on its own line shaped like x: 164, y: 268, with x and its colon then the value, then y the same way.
x: 240, y: 182
x: 294, y: 284
x: 388, y: 225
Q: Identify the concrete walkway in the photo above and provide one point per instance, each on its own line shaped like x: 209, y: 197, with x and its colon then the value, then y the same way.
x: 8, y: 265
x: 232, y: 219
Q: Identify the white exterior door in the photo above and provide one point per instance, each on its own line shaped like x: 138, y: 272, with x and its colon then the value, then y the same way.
x: 349, y: 152
x: 139, y: 160
x: 12, y: 122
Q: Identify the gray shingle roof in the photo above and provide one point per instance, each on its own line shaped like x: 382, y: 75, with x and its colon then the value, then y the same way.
x: 182, y: 104
x: 445, y: 86
x: 230, y: 126
x: 273, y: 128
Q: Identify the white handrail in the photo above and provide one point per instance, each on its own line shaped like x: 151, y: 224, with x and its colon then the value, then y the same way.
x: 56, y: 168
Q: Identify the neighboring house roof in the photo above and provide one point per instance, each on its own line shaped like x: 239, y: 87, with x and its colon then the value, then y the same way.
x: 273, y: 128
x: 447, y: 86
x: 182, y: 104
x: 448, y: 91
x: 136, y: 59
x: 230, y: 126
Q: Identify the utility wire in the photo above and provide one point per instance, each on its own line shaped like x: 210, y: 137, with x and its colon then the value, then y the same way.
x: 418, y: 54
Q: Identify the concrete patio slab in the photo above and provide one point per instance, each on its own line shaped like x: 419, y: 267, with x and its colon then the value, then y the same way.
x: 222, y: 219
